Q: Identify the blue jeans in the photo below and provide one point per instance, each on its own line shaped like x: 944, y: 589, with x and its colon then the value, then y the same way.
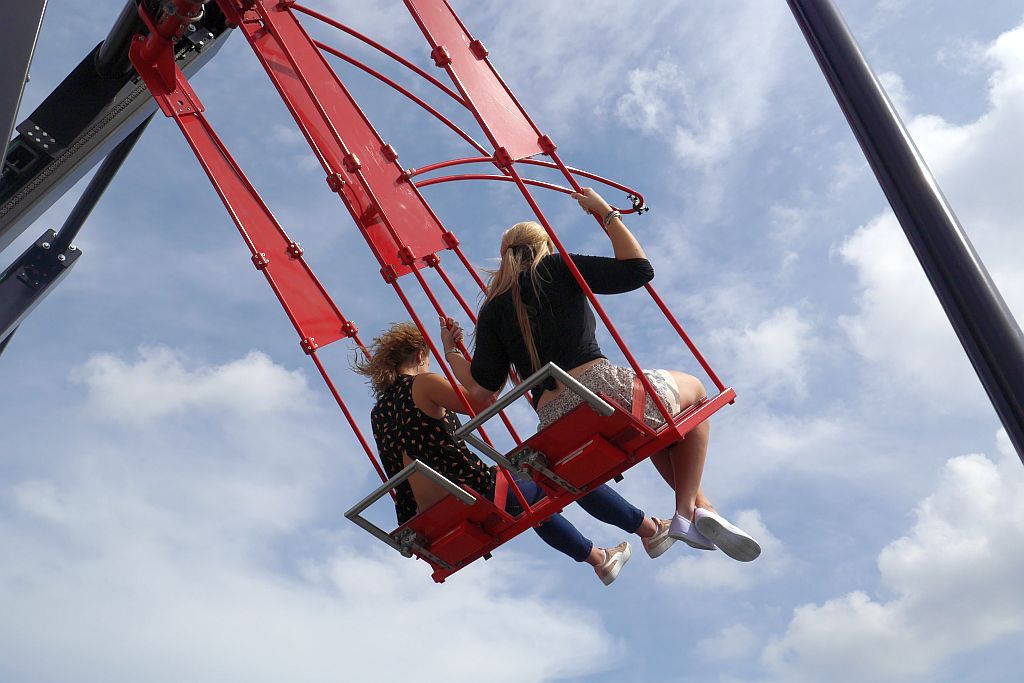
x: 602, y: 503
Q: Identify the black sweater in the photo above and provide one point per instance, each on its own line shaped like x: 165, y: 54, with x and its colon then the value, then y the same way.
x: 561, y: 318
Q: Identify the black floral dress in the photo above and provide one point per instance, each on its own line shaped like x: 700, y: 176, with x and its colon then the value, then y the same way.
x: 400, y: 427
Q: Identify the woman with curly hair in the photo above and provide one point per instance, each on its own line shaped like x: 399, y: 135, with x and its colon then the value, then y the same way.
x: 535, y: 312
x: 414, y: 419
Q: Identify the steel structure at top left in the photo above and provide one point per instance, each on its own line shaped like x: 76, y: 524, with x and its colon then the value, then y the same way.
x: 96, y: 113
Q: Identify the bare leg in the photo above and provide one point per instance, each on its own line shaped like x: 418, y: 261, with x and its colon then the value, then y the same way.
x: 687, y: 457
x: 662, y: 462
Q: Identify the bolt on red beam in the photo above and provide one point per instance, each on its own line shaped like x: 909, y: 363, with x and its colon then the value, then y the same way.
x: 500, y: 115
x: 372, y: 185
x: 302, y: 296
x: 380, y: 48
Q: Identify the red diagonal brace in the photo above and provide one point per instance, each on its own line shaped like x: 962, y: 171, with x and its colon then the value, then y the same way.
x: 303, y: 298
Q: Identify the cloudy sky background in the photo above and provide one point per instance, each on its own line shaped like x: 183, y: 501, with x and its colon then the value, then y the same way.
x: 174, y: 474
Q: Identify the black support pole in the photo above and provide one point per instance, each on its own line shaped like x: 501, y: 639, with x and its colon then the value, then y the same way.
x: 96, y: 187
x: 981, y: 319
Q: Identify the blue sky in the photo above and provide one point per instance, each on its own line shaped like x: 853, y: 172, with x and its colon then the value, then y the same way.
x: 174, y: 474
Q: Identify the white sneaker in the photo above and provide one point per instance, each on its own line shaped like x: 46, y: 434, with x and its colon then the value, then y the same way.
x: 614, y: 560
x: 682, y: 530
x: 657, y: 544
x: 733, y: 541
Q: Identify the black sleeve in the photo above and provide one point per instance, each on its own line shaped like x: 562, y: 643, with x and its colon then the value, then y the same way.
x: 490, y: 360
x: 607, y: 275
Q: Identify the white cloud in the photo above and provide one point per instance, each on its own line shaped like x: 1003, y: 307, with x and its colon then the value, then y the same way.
x: 654, y: 94
x: 706, y: 108
x: 138, y: 559
x: 899, y: 325
x: 952, y: 579
x: 729, y: 644
x: 160, y: 384
x: 711, y: 572
x: 772, y: 354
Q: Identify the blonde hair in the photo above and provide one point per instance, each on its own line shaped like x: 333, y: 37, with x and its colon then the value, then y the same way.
x: 522, y: 248
x: 398, y: 345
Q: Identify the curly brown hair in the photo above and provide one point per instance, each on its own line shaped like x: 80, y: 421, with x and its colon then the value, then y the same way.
x: 390, y: 350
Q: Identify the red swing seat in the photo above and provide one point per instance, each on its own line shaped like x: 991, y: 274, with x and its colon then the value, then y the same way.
x: 579, y: 452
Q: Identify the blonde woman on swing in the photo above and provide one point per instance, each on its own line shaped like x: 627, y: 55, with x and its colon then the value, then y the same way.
x: 535, y: 312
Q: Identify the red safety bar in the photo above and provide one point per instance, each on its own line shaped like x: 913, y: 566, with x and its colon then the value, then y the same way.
x: 582, y: 450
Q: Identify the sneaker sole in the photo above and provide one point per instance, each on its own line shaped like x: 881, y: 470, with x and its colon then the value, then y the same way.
x: 614, y: 573
x: 739, y: 547
x: 693, y: 544
x: 658, y: 549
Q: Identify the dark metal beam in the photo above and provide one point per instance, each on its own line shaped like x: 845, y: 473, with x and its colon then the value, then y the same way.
x: 96, y: 187
x: 84, y: 118
x: 981, y: 319
x: 111, y: 58
x: 21, y: 23
x: 36, y: 273
x: 28, y: 281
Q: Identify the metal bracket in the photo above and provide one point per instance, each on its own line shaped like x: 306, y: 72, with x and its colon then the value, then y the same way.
x: 403, y: 542
x: 638, y: 204
x: 336, y: 182
x: 530, y: 458
x: 440, y: 56
x: 550, y: 370
x: 478, y: 49
x: 450, y: 239
x: 411, y: 543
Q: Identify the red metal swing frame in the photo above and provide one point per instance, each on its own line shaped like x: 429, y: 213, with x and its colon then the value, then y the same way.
x: 582, y: 450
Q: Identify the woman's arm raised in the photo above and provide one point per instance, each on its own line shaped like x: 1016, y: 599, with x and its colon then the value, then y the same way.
x: 624, y: 244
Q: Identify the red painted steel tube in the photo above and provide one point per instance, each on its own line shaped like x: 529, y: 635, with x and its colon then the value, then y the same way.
x: 657, y: 299
x: 591, y: 176
x: 440, y: 357
x: 469, y: 267
x: 472, y: 318
x: 448, y: 373
x: 350, y: 418
x: 325, y: 117
x: 486, y: 159
x: 591, y: 297
x: 440, y: 311
x: 455, y: 292
x: 309, y: 308
x: 387, y: 81
x: 377, y: 46
x: 413, y: 172
x: 502, y: 119
x: 685, y: 337
x: 165, y: 30
x: 482, y: 176
x: 328, y: 121
x: 648, y: 388
x: 311, y: 89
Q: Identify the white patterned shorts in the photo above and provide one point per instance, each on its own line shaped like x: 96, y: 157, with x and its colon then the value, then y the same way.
x: 617, y: 384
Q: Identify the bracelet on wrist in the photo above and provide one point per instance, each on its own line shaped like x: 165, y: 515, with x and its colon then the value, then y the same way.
x: 610, y: 216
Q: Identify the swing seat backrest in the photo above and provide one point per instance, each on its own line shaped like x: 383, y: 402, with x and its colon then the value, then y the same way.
x: 587, y: 449
x: 455, y: 532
